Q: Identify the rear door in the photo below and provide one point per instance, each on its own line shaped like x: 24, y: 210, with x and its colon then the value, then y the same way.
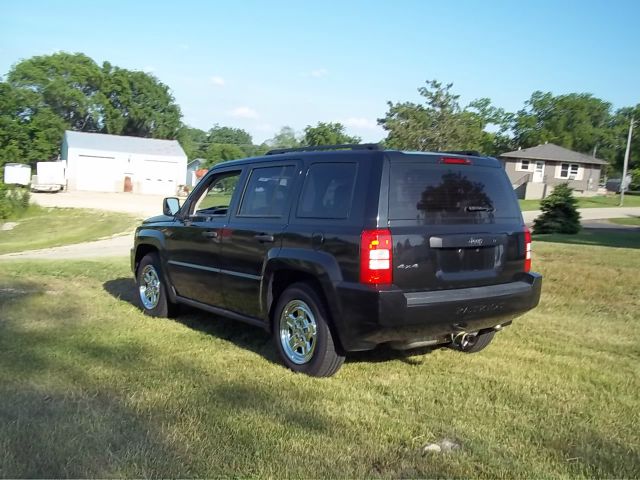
x: 254, y: 231
x: 454, y: 225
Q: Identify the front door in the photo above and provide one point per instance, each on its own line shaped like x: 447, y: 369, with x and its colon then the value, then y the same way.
x: 254, y: 233
x: 538, y: 172
x: 194, y: 244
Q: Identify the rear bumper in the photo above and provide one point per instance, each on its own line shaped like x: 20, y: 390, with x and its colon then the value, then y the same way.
x: 369, y: 317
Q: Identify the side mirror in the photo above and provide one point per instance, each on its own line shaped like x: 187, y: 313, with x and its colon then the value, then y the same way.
x: 170, y: 206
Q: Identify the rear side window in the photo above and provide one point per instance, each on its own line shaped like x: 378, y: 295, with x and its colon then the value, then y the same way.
x: 267, y: 193
x: 328, y: 191
x: 450, y: 194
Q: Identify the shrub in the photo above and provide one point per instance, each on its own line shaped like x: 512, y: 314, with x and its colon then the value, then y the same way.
x: 559, y: 212
x: 13, y: 201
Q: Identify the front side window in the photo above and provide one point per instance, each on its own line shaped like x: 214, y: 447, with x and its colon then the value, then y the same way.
x: 268, y: 191
x: 328, y: 191
x: 216, y: 198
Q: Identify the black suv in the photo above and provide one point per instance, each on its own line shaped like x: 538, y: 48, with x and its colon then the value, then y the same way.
x: 343, y: 248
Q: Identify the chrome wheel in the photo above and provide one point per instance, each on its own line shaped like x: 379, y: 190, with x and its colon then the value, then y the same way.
x: 298, y: 332
x: 149, y: 287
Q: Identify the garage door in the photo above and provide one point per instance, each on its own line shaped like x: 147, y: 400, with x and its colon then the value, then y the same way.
x: 159, y: 177
x: 96, y: 174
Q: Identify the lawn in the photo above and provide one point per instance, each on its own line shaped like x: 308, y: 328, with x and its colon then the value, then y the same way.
x: 90, y: 387
x: 634, y: 221
x: 50, y: 227
x: 589, y: 202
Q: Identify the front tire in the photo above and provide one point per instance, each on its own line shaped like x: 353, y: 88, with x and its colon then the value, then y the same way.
x: 152, y: 288
x: 302, y: 335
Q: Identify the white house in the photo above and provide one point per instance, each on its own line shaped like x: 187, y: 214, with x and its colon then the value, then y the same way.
x: 112, y: 163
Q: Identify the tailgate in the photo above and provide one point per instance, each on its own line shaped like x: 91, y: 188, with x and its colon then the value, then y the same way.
x: 453, y: 226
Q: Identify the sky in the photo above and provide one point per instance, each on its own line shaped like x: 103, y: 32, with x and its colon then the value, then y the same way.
x: 260, y: 65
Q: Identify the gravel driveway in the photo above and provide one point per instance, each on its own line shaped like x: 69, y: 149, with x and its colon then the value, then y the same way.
x: 135, y: 204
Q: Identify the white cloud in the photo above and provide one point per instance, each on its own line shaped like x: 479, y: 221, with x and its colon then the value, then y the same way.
x: 216, y: 80
x: 360, y: 122
x: 244, y: 112
x: 317, y: 73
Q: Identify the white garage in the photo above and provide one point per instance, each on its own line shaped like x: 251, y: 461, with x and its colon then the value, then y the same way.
x: 112, y: 163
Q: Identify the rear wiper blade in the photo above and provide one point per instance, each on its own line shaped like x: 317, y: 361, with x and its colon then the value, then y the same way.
x: 474, y: 208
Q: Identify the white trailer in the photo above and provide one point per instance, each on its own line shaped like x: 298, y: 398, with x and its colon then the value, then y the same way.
x: 17, y: 174
x: 50, y: 177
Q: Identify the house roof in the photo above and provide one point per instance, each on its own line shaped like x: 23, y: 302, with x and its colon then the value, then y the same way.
x: 550, y: 151
x: 121, y: 143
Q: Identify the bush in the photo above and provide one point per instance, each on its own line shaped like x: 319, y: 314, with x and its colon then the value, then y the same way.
x: 13, y: 201
x: 559, y: 212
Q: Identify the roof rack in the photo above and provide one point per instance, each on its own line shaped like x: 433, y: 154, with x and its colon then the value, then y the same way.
x: 346, y: 146
x: 470, y: 153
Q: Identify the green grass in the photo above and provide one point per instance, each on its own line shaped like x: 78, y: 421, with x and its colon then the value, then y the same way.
x: 589, y: 202
x: 90, y: 387
x: 635, y: 221
x: 51, y: 227
x: 628, y: 240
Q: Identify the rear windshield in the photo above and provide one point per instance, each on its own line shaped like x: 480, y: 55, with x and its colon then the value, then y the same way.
x: 450, y: 194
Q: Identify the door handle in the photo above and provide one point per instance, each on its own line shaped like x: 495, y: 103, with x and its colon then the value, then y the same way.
x: 210, y: 234
x: 264, y: 237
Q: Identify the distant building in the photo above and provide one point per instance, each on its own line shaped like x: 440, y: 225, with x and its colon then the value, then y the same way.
x: 192, y: 168
x: 112, y: 163
x: 535, y: 171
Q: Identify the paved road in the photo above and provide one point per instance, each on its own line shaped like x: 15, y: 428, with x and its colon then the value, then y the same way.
x: 593, y: 213
x: 148, y: 205
x: 117, y: 246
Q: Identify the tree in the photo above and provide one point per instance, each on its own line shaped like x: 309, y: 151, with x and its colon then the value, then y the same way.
x: 285, y: 138
x: 577, y: 121
x: 618, y: 132
x: 29, y: 132
x: 68, y: 84
x: 229, y: 135
x: 221, y: 152
x: 193, y: 141
x: 327, y: 134
x: 559, y: 212
x: 441, y: 124
x: 137, y: 104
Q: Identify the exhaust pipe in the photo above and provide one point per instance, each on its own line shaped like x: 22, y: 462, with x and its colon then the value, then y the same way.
x: 463, y: 339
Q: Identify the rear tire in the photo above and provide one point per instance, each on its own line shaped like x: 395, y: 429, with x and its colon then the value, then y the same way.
x: 480, y: 342
x: 152, y: 288
x: 302, y: 335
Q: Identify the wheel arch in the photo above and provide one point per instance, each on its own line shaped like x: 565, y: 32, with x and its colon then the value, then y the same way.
x: 317, y: 269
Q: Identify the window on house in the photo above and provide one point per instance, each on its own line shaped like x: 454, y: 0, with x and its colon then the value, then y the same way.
x: 524, y: 164
x: 569, y: 170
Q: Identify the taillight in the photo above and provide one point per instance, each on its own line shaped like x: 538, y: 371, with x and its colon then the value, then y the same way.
x: 375, y: 257
x: 527, y: 250
x: 455, y: 161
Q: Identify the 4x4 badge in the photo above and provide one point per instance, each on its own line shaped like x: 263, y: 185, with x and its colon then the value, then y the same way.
x: 402, y: 266
x: 476, y: 242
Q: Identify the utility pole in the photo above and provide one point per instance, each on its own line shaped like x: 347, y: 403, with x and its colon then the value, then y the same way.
x: 626, y: 163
